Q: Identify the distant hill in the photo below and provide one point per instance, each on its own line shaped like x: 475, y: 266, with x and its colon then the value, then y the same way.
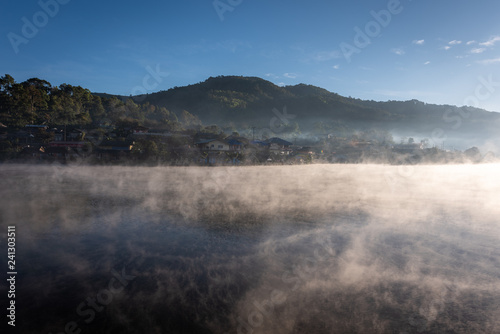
x: 251, y: 106
x: 249, y: 101
x: 107, y: 96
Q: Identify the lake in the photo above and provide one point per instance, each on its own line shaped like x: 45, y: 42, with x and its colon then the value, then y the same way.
x: 263, y: 249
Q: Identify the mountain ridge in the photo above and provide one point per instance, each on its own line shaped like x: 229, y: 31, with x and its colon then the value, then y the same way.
x: 245, y: 105
x: 252, y: 101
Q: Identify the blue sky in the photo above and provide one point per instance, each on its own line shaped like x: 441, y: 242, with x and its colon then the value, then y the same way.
x: 444, y: 52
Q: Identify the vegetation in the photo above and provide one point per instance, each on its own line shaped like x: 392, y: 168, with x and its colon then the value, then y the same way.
x: 239, y: 102
x: 36, y: 101
x: 249, y: 101
x: 340, y: 129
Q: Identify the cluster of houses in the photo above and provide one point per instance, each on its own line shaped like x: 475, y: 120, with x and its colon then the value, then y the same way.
x: 39, y: 142
x: 199, y: 148
x: 32, y: 141
x: 218, y: 150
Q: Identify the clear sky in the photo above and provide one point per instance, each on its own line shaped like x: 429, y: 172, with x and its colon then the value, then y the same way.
x: 444, y: 51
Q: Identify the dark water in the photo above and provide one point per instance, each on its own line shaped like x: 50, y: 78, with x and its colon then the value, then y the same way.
x: 308, y: 249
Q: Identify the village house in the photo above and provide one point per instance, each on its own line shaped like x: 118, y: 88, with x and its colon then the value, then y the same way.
x: 60, y: 153
x: 279, y: 146
x: 31, y: 128
x: 408, y: 148
x: 220, y: 151
x: 235, y: 145
x: 116, y: 145
x: 32, y: 152
x: 213, y: 145
x: 140, y: 130
x: 114, y: 149
x: 70, y: 144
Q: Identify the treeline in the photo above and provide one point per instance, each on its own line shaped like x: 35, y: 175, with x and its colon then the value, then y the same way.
x: 36, y: 101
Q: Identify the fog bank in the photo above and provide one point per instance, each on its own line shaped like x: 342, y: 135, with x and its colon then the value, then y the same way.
x: 316, y: 248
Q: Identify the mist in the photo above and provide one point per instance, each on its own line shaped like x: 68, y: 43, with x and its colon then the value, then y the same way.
x: 259, y: 249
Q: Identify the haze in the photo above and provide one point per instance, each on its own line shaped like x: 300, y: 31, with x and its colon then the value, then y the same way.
x: 268, y: 249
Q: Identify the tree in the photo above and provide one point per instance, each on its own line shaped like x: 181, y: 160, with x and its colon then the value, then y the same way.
x: 133, y: 110
x: 212, y: 129
x: 36, y: 97
x: 96, y: 110
x: 145, y: 148
x: 6, y: 99
x: 62, y: 106
x: 24, y: 104
x: 474, y: 154
x: 115, y: 109
x: 189, y: 120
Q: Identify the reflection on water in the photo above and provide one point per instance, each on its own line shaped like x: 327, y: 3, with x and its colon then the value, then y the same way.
x: 299, y: 249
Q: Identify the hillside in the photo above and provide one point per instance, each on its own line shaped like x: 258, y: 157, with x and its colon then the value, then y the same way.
x: 253, y: 106
x: 249, y: 101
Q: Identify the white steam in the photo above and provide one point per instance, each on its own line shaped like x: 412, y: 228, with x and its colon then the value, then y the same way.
x: 292, y: 249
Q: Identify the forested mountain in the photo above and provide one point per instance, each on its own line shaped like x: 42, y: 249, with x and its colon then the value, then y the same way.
x: 36, y: 101
x: 238, y: 103
x: 249, y: 101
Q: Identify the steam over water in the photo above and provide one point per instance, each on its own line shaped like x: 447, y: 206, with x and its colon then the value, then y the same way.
x: 295, y: 249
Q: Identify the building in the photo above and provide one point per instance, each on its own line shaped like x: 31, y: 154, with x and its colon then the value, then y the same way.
x: 213, y: 145
x: 279, y: 146
x: 70, y: 144
x: 140, y: 130
x: 235, y: 145
x: 113, y: 149
x: 408, y: 148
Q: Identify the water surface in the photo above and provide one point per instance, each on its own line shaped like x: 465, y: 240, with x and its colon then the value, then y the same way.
x: 295, y: 249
